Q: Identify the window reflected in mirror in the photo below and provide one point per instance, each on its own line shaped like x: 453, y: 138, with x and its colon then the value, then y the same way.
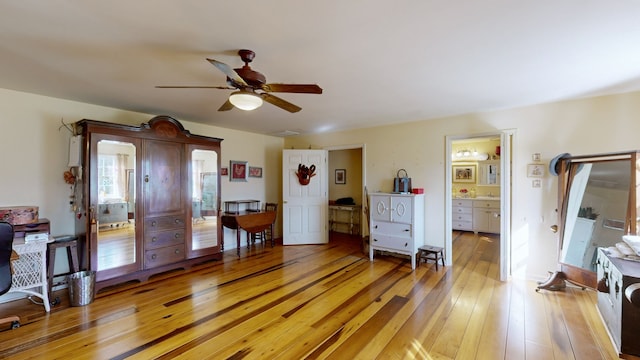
x: 115, y: 213
x: 204, y: 168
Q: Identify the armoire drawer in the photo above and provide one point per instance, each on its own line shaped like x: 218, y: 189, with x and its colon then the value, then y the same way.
x: 391, y: 242
x: 163, y: 238
x: 163, y: 223
x: 391, y: 228
x: 162, y: 256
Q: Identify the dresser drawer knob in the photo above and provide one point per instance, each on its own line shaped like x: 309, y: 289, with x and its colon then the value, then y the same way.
x: 154, y: 256
x: 153, y: 239
x: 177, y: 221
x: 177, y: 235
x: 177, y: 251
x: 154, y: 223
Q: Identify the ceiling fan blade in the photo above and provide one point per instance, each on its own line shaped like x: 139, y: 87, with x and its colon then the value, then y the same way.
x: 226, y: 106
x: 227, y: 70
x: 283, y: 104
x: 194, y: 87
x: 293, y: 88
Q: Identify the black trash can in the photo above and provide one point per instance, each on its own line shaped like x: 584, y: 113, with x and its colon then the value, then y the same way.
x: 81, y: 287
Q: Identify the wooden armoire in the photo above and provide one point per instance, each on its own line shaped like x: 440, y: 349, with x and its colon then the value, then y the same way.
x: 167, y: 182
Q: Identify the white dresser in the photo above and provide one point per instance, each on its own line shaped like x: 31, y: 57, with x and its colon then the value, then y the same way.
x: 462, y: 217
x: 397, y: 224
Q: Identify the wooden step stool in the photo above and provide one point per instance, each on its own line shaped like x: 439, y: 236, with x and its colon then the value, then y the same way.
x: 428, y: 252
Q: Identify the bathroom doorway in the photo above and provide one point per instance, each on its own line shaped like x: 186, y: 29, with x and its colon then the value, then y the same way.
x: 478, y: 188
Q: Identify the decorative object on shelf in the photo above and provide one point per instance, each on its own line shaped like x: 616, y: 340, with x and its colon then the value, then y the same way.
x: 238, y: 170
x: 341, y: 176
x: 464, y: 173
x: 402, y: 184
x: 535, y: 170
x: 255, y: 171
x: 305, y: 173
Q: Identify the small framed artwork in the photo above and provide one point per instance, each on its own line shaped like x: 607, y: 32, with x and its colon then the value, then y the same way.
x: 255, y: 171
x: 341, y: 176
x: 224, y: 171
x: 238, y: 170
x: 464, y: 173
x: 536, y: 157
x: 535, y: 170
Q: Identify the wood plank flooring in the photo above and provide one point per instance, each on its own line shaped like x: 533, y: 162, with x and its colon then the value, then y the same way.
x: 320, y: 302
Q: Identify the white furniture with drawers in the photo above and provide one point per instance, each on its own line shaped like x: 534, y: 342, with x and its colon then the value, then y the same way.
x: 462, y: 218
x: 486, y: 216
x: 397, y: 224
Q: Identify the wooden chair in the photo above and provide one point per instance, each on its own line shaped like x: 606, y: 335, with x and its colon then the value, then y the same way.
x: 262, y: 236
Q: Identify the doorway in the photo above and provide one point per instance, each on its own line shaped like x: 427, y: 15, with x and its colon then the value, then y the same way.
x: 478, y: 183
x: 347, y: 199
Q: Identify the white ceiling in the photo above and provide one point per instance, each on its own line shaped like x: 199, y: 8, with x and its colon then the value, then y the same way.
x: 379, y: 62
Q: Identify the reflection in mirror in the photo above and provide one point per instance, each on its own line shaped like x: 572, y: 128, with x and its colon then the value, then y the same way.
x: 116, y: 203
x: 595, y: 211
x: 204, y: 165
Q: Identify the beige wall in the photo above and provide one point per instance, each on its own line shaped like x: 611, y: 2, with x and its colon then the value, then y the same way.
x: 586, y: 126
x: 34, y: 150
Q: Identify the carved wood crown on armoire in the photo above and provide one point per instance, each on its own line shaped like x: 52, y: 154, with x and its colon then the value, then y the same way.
x: 157, y: 173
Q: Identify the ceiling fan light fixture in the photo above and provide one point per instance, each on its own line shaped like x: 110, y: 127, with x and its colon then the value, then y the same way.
x: 245, y: 100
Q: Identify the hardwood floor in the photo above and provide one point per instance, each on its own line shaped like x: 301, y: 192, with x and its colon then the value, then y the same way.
x: 320, y: 302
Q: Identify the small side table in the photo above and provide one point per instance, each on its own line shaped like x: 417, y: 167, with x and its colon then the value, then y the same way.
x: 428, y: 252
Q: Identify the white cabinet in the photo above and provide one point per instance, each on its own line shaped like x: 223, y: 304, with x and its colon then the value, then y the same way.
x: 462, y: 214
x: 489, y: 172
x: 576, y: 253
x: 397, y: 224
x: 486, y: 216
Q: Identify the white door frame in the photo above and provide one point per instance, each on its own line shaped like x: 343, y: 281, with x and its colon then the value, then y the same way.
x: 506, y: 138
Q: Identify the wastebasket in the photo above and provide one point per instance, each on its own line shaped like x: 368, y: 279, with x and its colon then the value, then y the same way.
x: 81, y: 287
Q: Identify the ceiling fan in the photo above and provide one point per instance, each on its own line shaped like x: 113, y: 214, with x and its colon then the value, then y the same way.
x: 251, y: 87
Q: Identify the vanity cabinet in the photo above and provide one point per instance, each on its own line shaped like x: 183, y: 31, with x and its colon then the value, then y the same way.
x: 158, y: 168
x: 489, y: 172
x: 396, y: 224
x: 486, y: 216
x: 462, y: 217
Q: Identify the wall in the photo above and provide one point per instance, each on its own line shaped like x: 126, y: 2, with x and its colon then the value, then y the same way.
x: 35, y: 149
x: 585, y: 126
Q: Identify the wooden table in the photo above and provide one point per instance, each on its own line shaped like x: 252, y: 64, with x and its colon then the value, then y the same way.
x: 250, y: 221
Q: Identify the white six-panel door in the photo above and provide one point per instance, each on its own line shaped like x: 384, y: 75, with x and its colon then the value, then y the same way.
x: 305, y: 207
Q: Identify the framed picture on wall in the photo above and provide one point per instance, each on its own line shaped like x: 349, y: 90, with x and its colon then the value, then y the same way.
x: 464, y: 173
x: 224, y: 171
x: 238, y: 170
x: 341, y: 176
x: 535, y: 170
x: 255, y: 171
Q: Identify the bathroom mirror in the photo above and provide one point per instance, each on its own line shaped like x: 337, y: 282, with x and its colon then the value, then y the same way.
x: 597, y: 195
